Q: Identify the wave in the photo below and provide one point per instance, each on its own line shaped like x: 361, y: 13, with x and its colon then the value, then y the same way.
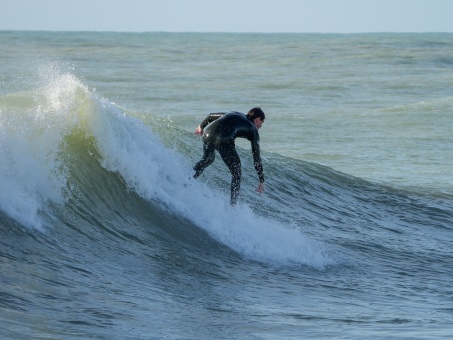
x: 71, y: 157
x: 62, y: 139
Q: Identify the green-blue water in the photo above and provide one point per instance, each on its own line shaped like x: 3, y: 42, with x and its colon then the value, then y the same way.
x: 104, y: 236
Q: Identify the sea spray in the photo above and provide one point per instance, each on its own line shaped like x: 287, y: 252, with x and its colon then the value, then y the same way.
x: 32, y: 127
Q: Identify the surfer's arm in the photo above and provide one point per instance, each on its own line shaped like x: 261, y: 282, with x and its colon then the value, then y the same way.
x: 259, y: 170
x: 255, y: 143
x: 208, y: 120
x: 257, y: 162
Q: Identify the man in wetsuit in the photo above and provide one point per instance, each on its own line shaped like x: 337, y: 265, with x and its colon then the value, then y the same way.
x: 220, y: 135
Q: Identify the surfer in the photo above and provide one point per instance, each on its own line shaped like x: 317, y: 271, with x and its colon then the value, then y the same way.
x: 220, y: 135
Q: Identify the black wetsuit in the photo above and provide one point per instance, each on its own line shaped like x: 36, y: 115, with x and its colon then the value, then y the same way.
x: 220, y: 136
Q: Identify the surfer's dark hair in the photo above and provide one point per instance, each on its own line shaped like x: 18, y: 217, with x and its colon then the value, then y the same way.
x: 256, y: 112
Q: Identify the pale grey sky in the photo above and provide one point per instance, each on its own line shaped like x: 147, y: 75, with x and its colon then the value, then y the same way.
x: 324, y: 16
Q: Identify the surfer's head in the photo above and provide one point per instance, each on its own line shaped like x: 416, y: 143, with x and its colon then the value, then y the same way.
x: 256, y: 112
x: 256, y: 115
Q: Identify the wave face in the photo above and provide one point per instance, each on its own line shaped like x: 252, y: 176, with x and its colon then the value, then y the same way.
x: 103, y: 227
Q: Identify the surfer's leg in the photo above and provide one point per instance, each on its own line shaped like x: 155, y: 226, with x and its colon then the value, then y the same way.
x: 233, y: 162
x: 208, y: 158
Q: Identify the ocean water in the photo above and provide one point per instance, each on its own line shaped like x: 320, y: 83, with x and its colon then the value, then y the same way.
x: 105, y: 236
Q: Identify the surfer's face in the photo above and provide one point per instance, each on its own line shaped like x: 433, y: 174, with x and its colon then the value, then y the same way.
x: 258, y: 122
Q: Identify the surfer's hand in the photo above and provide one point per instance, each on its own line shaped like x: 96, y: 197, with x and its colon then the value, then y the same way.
x: 260, y: 188
x: 198, y: 131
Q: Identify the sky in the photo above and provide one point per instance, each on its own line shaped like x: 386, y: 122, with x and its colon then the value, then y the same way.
x: 267, y: 16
